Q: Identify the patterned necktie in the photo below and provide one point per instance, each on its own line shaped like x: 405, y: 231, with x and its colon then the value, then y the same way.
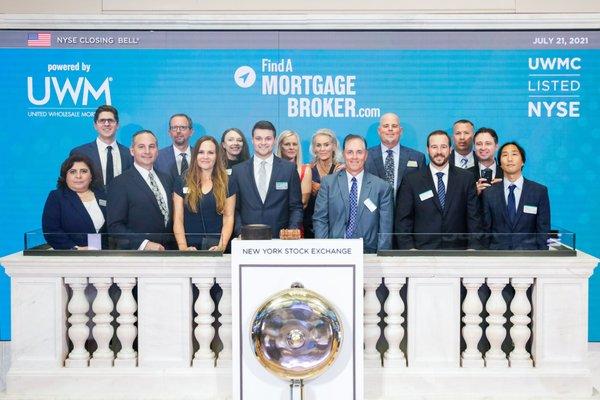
x: 351, y: 227
x: 184, y: 163
x: 463, y: 163
x: 441, y: 189
x: 389, y: 167
x: 262, y: 180
x: 110, y: 171
x: 161, y: 201
x: 511, y: 207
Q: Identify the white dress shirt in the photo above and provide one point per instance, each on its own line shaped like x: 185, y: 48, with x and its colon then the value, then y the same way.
x: 518, y: 190
x: 95, y: 213
x: 116, y: 155
x: 458, y: 157
x: 268, y: 168
x: 434, y: 171
x: 396, y: 155
x: 179, y: 158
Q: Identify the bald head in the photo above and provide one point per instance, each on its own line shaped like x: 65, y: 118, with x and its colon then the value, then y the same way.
x: 389, y: 130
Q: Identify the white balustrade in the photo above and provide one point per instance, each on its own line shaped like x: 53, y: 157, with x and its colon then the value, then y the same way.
x: 496, y: 331
x: 472, y: 332
x: 103, y: 330
x: 126, y: 331
x: 224, y: 359
x: 79, y: 331
x: 394, y: 332
x: 371, y: 319
x: 204, y: 331
x: 520, y: 332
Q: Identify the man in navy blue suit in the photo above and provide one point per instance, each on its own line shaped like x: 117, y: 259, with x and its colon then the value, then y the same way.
x: 140, y: 200
x: 109, y: 158
x: 267, y: 188
x: 438, y: 204
x: 517, y: 212
x: 389, y: 160
x: 175, y: 159
x: 462, y: 155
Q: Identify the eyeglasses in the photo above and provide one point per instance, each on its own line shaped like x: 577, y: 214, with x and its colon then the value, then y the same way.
x: 105, y: 121
x: 179, y: 128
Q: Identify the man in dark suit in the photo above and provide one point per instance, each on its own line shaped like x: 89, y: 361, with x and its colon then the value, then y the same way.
x: 517, y: 212
x: 438, y: 200
x: 140, y: 204
x: 462, y: 155
x: 175, y: 159
x: 267, y: 188
x: 389, y: 160
x: 109, y: 158
x: 353, y: 203
x: 487, y: 172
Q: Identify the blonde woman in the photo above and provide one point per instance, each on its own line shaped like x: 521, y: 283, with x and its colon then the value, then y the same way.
x: 203, y: 207
x: 288, y: 148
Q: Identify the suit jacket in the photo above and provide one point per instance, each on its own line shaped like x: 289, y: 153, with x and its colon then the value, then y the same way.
x: 452, y: 159
x: 91, y: 150
x: 332, y: 210
x: 65, y: 220
x: 418, y: 211
x: 375, y: 163
x: 133, y: 213
x: 533, y: 216
x: 165, y: 160
x: 283, y: 205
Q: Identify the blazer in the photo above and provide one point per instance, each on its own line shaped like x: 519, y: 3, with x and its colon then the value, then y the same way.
x: 375, y: 163
x: 332, y: 210
x: 533, y: 216
x: 133, y: 214
x: 165, y: 160
x: 283, y: 204
x: 91, y: 150
x: 452, y: 159
x: 65, y: 220
x: 418, y: 211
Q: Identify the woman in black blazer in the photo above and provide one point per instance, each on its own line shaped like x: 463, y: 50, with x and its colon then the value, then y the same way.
x: 76, y: 208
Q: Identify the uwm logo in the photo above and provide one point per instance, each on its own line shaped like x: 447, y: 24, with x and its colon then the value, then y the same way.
x: 79, y: 92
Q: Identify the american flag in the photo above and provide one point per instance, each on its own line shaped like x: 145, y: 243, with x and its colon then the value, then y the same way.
x: 39, y: 39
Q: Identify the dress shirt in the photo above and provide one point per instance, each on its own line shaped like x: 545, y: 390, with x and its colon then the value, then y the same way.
x: 178, y: 157
x: 518, y: 190
x: 116, y: 154
x: 458, y: 157
x: 396, y: 154
x: 434, y: 171
x: 95, y: 213
x: 268, y: 168
x: 359, y: 179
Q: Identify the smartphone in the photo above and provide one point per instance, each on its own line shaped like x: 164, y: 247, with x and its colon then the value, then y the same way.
x: 487, y: 175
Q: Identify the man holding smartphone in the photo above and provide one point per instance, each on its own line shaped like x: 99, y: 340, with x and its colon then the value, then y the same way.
x: 487, y: 171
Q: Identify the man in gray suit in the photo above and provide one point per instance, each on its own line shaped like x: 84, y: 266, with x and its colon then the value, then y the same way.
x: 354, y: 203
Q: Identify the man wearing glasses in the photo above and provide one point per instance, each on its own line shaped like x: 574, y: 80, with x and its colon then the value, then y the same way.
x: 109, y: 158
x: 174, y: 160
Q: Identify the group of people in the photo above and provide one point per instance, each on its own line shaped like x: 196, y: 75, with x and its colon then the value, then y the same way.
x: 198, y: 197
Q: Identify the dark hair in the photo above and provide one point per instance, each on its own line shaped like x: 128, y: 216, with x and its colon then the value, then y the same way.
x: 106, y: 108
x: 464, y: 121
x: 61, y: 183
x: 517, y: 145
x: 487, y: 130
x: 141, y: 132
x: 189, y: 120
x: 264, y: 125
x: 244, y: 154
x: 441, y: 133
x: 353, y: 136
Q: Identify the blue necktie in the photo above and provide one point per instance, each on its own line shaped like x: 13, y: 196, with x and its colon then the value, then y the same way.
x: 389, y: 167
x: 511, y: 207
x: 441, y: 189
x: 351, y: 227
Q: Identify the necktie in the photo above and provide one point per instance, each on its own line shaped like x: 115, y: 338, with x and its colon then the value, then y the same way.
x: 110, y: 171
x: 441, y: 189
x: 161, y: 202
x: 389, y: 167
x: 511, y: 207
x: 351, y: 227
x: 184, y: 163
x: 262, y: 180
x: 463, y: 163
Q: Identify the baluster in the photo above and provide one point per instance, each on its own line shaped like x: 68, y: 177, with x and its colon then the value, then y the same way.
x: 103, y: 330
x: 520, y: 332
x: 225, y: 319
x: 126, y: 331
x: 371, y: 308
x: 472, y: 332
x: 394, y: 332
x: 496, y: 332
x: 204, y: 331
x: 78, y: 331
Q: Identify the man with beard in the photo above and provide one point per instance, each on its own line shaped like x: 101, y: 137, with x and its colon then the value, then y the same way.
x: 462, y: 155
x: 174, y: 160
x: 440, y: 200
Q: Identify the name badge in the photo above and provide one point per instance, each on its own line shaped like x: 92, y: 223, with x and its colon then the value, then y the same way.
x: 228, y: 170
x: 102, y: 202
x: 186, y: 190
x: 530, y: 210
x: 281, y: 185
x: 372, y: 207
x: 426, y: 195
x: 412, y: 164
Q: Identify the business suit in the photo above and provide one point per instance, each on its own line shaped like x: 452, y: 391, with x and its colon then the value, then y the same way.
x: 533, y: 216
x: 420, y: 211
x: 407, y: 157
x: 91, y: 151
x: 452, y: 159
x: 282, y: 208
x: 133, y: 209
x: 65, y: 220
x: 331, y: 214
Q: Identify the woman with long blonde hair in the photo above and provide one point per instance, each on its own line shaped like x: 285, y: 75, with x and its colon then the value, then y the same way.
x: 203, y: 208
x: 288, y: 148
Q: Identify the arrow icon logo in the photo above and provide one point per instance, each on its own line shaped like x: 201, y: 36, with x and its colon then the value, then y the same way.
x: 244, y: 76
